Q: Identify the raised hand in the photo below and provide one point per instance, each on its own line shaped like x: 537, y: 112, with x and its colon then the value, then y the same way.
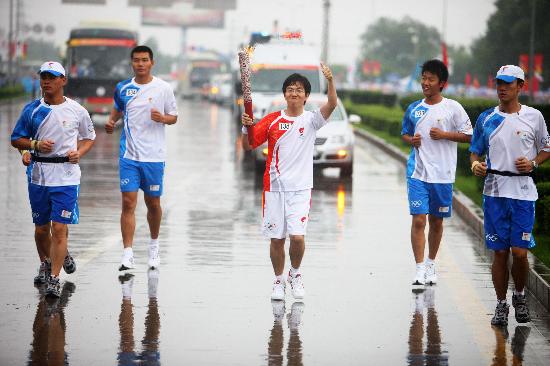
x: 326, y: 72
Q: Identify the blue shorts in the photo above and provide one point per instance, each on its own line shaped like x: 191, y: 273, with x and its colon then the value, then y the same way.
x: 430, y: 198
x: 59, y: 204
x: 508, y: 222
x: 137, y: 174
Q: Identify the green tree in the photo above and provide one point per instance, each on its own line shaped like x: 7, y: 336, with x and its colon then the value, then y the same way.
x: 508, y: 35
x: 41, y: 50
x: 461, y: 61
x: 399, y: 45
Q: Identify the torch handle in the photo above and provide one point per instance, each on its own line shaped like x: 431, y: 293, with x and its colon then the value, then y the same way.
x: 248, y: 109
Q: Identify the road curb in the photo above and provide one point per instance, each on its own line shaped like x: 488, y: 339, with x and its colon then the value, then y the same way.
x: 539, y: 274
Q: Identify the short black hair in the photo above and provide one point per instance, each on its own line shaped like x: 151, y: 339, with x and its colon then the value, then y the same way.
x: 142, y: 48
x: 436, y: 67
x: 297, y: 78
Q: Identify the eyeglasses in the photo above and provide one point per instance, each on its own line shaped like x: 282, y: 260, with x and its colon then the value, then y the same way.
x: 295, y: 90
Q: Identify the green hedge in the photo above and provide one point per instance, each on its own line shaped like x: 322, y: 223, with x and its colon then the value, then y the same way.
x: 542, y: 208
x: 379, y: 117
x: 389, y: 120
x: 11, y: 91
x: 475, y: 106
x: 368, y: 97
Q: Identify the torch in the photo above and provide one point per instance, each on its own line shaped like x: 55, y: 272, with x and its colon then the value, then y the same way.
x: 244, y: 61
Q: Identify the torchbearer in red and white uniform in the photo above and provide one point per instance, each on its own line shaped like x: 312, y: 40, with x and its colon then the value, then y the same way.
x: 288, y: 177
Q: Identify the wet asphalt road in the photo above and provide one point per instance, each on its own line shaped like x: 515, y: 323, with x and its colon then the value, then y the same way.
x: 209, y: 303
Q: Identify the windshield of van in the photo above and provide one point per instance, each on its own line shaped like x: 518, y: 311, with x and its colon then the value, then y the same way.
x: 271, y: 80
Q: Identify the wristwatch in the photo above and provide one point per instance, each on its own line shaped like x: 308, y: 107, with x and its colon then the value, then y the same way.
x: 535, y: 165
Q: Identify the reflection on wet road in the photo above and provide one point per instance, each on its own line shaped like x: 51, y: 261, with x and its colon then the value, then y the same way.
x: 209, y: 302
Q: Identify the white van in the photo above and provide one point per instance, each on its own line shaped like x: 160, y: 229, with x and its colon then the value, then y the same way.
x: 273, y: 62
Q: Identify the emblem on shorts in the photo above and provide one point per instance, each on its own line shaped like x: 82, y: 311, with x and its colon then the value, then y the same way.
x: 124, y: 181
x: 303, y: 220
x: 35, y: 215
x: 154, y: 187
x: 444, y: 209
x: 491, y: 237
x: 66, y: 214
x: 416, y: 203
x: 526, y: 236
x: 269, y: 226
x: 284, y: 126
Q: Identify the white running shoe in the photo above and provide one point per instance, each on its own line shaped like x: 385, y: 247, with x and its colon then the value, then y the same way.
x: 278, y: 290
x: 420, y: 277
x: 295, y: 316
x: 127, y: 262
x: 431, y: 276
x: 296, y: 285
x: 154, y: 258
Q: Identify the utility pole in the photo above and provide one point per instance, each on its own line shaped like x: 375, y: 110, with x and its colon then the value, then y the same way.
x: 444, y: 22
x: 531, y: 72
x: 10, y: 43
x: 325, y: 40
x: 18, y: 45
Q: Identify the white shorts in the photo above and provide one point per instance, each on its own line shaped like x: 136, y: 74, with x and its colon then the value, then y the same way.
x: 285, y: 213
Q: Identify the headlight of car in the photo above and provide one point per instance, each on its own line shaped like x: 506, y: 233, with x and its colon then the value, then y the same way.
x: 338, y: 139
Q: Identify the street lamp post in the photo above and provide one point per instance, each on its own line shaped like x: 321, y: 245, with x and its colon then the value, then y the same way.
x: 326, y: 9
x: 532, y: 52
x: 10, y: 43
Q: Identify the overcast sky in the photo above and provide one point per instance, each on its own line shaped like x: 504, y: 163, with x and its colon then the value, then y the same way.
x: 466, y: 20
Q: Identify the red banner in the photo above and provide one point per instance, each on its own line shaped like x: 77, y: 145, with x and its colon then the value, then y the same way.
x: 536, y: 78
x: 372, y: 67
x: 444, y: 54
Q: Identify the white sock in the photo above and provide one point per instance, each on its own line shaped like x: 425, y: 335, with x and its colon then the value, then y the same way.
x: 280, y: 278
x: 154, y: 243
x: 128, y: 252
x: 429, y: 262
x: 522, y: 293
x: 294, y: 271
x: 501, y: 301
x: 420, y: 267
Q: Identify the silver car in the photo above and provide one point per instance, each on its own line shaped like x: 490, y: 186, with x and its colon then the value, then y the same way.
x: 334, y: 142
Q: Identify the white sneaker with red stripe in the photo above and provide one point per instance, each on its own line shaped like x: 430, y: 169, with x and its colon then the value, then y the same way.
x: 296, y: 285
x: 278, y: 290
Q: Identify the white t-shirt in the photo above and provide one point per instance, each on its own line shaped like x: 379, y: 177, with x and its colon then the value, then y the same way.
x: 435, y: 160
x: 291, y: 141
x: 504, y: 138
x: 142, y: 138
x: 65, y: 124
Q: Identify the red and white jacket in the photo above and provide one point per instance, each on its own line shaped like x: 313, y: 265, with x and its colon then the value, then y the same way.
x: 290, y: 142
